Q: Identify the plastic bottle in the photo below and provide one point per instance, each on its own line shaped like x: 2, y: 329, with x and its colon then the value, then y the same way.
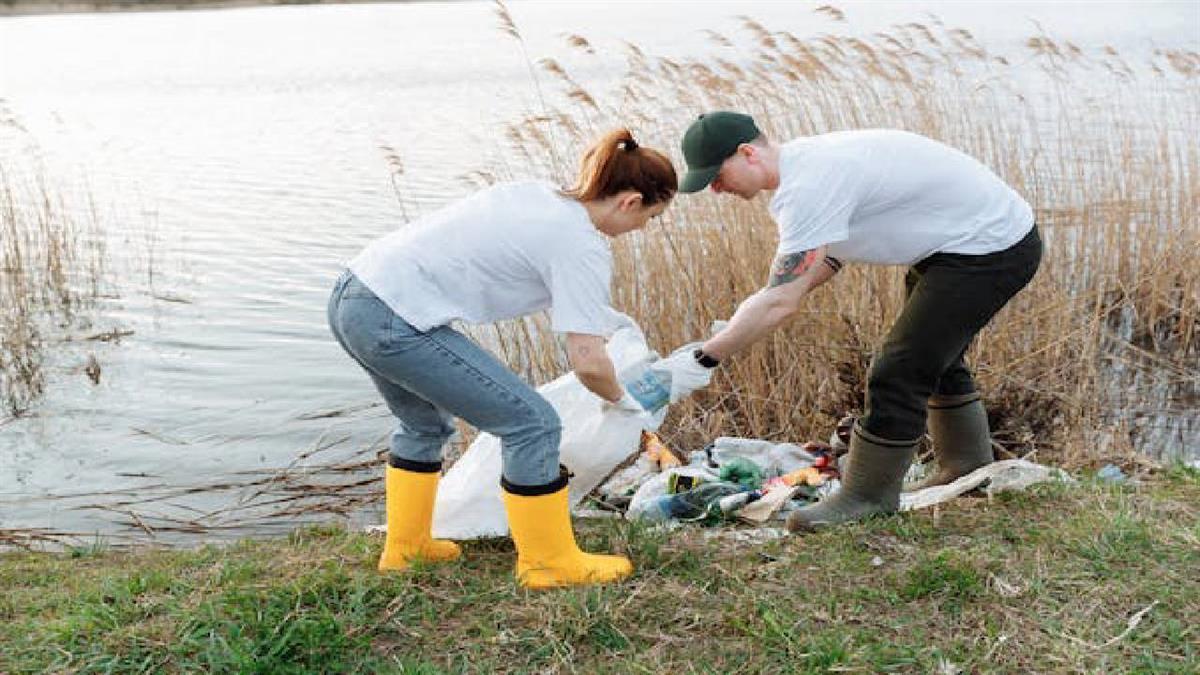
x: 703, y: 500
x: 656, y: 510
x: 690, y: 505
x: 651, y: 388
x: 736, y: 501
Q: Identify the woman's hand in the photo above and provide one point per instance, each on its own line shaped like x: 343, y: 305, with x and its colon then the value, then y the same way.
x: 628, y: 404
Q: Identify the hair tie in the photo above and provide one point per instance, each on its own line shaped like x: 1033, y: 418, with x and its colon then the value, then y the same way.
x: 629, y: 145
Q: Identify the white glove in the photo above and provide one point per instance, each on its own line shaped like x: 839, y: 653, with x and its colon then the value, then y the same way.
x: 627, y: 405
x: 687, y: 375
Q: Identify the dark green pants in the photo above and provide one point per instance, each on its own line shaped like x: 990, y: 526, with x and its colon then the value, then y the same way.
x: 950, y: 298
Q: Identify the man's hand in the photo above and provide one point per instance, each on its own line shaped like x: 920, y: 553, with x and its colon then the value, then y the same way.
x: 687, y: 373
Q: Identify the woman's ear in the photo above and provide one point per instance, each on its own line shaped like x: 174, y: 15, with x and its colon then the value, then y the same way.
x: 631, y: 201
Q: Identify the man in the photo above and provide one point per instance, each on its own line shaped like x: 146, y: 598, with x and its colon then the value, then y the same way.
x: 891, y: 198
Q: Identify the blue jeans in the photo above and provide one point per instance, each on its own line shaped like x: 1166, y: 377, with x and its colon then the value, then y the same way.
x: 428, y: 378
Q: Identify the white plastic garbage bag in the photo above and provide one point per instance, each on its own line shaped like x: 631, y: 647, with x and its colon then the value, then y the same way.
x: 774, y: 458
x: 629, y: 478
x: 595, y: 439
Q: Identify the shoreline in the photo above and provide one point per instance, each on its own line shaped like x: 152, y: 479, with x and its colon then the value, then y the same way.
x: 1088, y: 577
x: 9, y: 8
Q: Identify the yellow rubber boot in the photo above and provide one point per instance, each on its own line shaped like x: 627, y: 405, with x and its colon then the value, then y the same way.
x: 547, y: 555
x: 410, y: 496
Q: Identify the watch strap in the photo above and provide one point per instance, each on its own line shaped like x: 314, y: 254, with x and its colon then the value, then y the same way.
x: 704, y: 359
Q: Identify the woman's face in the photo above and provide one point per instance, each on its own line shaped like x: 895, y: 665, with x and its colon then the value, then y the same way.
x: 630, y: 214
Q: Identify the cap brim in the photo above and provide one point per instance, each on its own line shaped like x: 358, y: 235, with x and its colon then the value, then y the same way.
x: 696, y: 180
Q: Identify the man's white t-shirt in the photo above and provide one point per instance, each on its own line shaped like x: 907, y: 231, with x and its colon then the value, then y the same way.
x: 507, y: 251
x: 891, y: 197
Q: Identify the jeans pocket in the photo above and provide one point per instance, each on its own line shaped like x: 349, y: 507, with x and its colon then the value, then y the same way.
x: 400, y: 336
x: 355, y: 288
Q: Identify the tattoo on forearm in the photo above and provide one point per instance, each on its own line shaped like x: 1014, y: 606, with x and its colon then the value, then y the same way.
x: 834, y: 263
x: 789, y: 267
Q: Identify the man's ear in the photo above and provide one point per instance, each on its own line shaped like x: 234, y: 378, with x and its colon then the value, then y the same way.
x: 748, y: 151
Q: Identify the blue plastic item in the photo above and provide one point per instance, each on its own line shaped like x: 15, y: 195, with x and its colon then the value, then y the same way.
x: 652, y: 389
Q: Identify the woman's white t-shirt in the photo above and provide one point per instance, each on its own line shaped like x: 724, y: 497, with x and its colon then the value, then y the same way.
x: 507, y: 251
x: 891, y: 197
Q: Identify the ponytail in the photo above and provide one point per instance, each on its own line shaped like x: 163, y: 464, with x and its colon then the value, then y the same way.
x: 615, y: 163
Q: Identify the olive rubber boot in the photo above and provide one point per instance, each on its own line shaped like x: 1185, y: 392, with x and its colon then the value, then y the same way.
x: 547, y: 555
x: 411, y: 491
x: 958, y: 426
x: 872, y: 473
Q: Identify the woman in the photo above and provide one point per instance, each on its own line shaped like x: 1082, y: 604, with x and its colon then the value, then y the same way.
x: 507, y: 251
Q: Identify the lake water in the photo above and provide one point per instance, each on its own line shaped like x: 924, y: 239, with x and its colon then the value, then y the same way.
x: 235, y: 154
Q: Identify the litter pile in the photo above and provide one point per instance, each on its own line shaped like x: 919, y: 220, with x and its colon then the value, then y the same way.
x: 731, y: 479
x: 754, y: 481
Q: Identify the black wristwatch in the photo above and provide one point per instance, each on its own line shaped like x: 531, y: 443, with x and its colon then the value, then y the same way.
x: 704, y: 359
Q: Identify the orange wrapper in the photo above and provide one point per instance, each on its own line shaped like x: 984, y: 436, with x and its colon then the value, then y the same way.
x: 808, y: 476
x: 658, y: 452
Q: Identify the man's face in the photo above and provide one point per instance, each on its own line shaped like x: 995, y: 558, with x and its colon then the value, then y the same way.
x: 741, y: 174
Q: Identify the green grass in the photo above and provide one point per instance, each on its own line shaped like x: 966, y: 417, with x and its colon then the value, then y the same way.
x: 1041, y: 581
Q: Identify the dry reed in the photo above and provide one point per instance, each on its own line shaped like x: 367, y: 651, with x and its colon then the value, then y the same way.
x: 1096, y: 360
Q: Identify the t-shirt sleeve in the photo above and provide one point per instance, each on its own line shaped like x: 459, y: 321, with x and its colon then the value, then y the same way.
x: 581, y: 295
x: 814, y: 209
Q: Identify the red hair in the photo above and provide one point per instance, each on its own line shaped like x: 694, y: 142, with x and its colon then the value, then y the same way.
x: 615, y: 163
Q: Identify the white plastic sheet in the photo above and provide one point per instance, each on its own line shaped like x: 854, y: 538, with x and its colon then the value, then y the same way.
x: 773, y: 458
x: 594, y: 442
x: 1009, y: 474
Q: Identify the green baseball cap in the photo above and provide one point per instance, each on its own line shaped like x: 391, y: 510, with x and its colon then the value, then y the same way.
x: 712, y: 139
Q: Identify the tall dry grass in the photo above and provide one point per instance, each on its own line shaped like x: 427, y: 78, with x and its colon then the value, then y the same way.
x: 1096, y: 359
x: 50, y: 265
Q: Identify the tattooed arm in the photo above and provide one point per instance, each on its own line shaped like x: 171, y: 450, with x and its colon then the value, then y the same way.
x: 793, y: 275
x: 592, y: 366
x: 791, y: 266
